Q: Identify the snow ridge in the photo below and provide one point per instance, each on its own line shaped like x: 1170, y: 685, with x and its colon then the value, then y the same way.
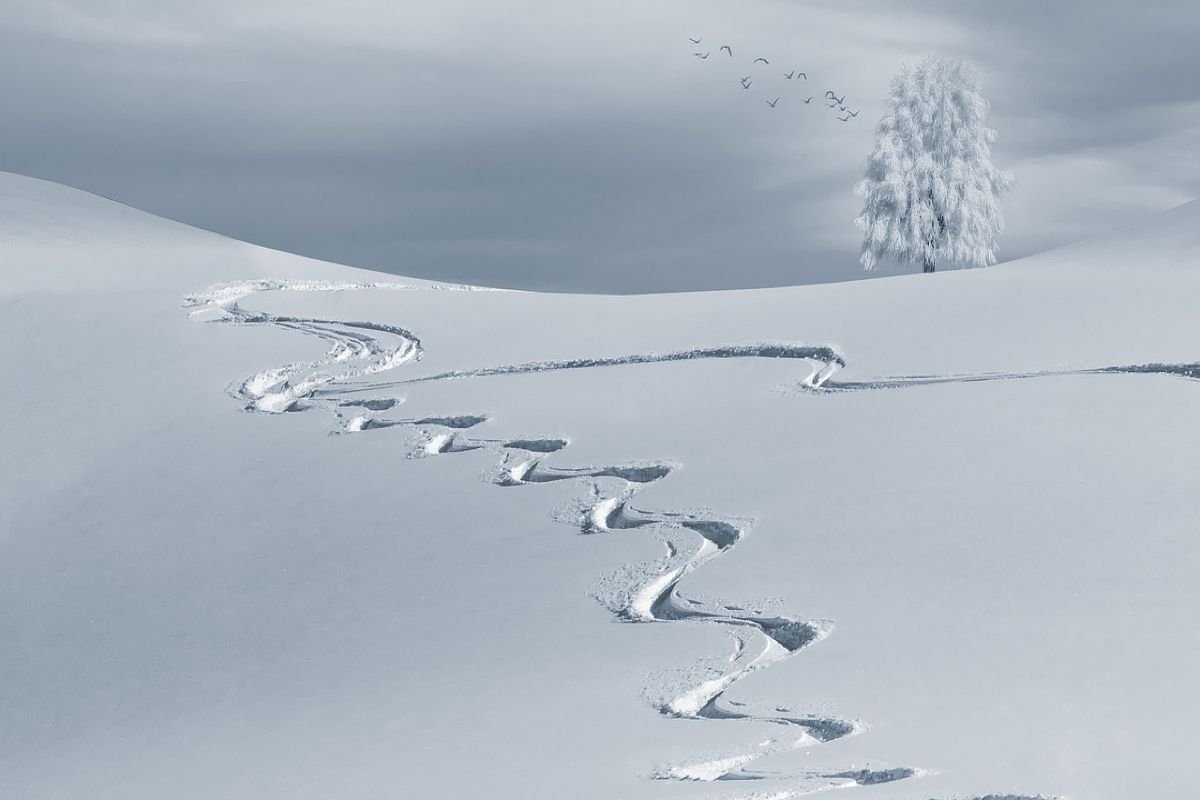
x: 636, y: 593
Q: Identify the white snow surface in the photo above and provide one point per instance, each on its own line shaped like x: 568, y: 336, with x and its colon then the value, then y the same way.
x: 276, y: 528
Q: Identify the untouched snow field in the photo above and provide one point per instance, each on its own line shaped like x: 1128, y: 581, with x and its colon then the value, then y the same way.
x: 275, y: 528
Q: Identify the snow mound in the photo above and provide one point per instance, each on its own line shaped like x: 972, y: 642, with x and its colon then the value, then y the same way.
x: 970, y: 498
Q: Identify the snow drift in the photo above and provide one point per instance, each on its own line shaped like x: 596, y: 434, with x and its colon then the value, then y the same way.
x: 915, y: 537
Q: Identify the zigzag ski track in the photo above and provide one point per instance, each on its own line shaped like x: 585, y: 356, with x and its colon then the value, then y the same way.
x: 636, y: 593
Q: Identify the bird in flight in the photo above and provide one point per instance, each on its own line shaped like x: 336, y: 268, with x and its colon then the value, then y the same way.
x: 762, y: 60
x: 746, y: 84
x: 807, y: 100
x: 694, y: 41
x: 835, y: 98
x: 746, y: 78
x: 803, y: 75
x: 790, y: 75
x: 772, y: 103
x: 845, y: 118
x: 727, y: 49
x: 701, y: 56
x: 851, y: 113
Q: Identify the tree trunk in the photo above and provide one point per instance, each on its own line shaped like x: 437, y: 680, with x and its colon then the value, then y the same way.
x: 928, y: 265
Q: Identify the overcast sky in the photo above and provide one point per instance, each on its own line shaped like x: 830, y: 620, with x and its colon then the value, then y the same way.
x: 577, y: 144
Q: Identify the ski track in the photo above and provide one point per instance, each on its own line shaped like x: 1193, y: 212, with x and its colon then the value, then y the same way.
x: 639, y: 593
x: 1185, y: 371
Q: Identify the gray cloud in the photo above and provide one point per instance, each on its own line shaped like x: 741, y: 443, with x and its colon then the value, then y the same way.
x: 579, y: 146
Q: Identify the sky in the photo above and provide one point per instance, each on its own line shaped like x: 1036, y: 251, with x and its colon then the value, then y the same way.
x: 578, y: 145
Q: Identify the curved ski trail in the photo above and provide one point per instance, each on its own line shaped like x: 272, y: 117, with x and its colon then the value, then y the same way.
x: 638, y: 593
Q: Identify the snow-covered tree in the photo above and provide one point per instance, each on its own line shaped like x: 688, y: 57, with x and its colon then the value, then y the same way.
x: 931, y: 193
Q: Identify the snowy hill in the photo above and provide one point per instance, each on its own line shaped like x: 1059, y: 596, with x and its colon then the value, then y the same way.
x: 278, y: 528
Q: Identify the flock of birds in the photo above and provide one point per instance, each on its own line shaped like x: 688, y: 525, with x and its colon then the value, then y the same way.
x: 831, y: 98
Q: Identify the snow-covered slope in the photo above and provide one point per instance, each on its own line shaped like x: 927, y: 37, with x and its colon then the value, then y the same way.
x: 921, y: 537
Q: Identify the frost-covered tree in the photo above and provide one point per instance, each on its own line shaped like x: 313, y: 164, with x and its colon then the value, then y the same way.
x: 931, y: 193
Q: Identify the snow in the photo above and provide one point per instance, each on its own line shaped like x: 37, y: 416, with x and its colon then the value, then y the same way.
x: 948, y: 523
